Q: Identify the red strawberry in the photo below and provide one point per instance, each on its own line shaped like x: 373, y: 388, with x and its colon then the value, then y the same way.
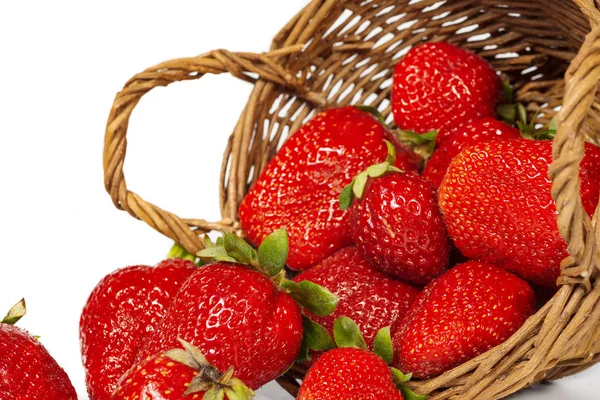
x: 498, y: 207
x: 179, y: 374
x: 454, y: 140
x: 438, y: 84
x: 27, y: 370
x: 399, y: 228
x: 120, y: 314
x: 395, y: 222
x: 300, y: 186
x: 349, y: 374
x: 358, y: 372
x: 465, y: 312
x: 236, y: 317
x: 368, y: 296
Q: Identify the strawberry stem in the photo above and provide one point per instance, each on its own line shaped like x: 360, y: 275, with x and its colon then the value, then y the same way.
x: 209, y: 379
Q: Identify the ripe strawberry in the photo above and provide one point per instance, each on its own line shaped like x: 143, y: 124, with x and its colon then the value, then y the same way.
x: 179, y: 374
x: 395, y: 222
x: 122, y: 311
x: 399, y: 228
x: 463, y: 313
x: 498, y: 207
x: 299, y: 187
x: 368, y: 296
x: 438, y: 84
x: 27, y: 370
x: 454, y: 140
x: 236, y: 317
x: 349, y: 374
x: 243, y: 316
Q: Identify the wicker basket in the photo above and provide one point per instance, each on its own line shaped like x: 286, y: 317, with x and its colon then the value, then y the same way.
x: 337, y: 52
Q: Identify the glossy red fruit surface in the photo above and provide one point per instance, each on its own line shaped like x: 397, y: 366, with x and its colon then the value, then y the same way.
x: 349, y: 374
x: 369, y: 297
x: 465, y: 312
x: 438, y: 84
x: 299, y: 188
x: 28, y: 371
x: 498, y: 207
x: 454, y: 140
x: 121, y: 313
x: 157, y: 378
x: 236, y: 317
x: 398, y: 227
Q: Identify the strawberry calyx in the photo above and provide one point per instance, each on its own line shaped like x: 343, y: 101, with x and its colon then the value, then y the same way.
x: 515, y: 113
x: 383, y: 347
x: 508, y: 110
x: 357, y: 186
x: 270, y: 259
x: 315, y: 338
x: 315, y: 298
x: 422, y: 144
x: 374, y: 112
x: 15, y: 313
x: 177, y: 251
x: 210, y: 379
x: 346, y: 333
x: 528, y: 130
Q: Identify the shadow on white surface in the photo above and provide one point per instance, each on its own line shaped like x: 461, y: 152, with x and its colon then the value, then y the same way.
x: 582, y: 386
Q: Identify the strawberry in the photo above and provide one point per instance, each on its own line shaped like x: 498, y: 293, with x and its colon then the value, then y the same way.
x: 454, y: 140
x: 241, y: 316
x: 498, y: 207
x: 236, y: 316
x: 122, y: 311
x: 438, y: 84
x: 463, y: 313
x: 366, y: 295
x: 27, y: 370
x: 396, y: 224
x: 352, y: 372
x: 299, y: 187
x: 179, y: 374
x: 349, y: 374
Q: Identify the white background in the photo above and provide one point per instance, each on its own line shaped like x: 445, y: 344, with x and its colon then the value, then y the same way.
x: 61, y: 63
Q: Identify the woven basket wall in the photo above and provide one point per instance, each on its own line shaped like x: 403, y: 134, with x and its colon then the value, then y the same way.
x: 337, y: 52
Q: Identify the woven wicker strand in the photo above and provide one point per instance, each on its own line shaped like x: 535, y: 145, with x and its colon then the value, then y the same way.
x: 339, y: 52
x: 580, y: 91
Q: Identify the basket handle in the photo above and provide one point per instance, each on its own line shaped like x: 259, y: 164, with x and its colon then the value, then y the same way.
x: 249, y: 67
x: 589, y: 8
x: 581, y: 82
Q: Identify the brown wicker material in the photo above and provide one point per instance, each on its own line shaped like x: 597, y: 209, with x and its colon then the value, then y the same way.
x: 337, y: 52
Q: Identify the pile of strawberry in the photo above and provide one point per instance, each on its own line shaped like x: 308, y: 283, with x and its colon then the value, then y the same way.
x: 380, y: 254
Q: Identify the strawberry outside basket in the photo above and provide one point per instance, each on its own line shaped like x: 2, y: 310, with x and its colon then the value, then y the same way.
x: 338, y: 52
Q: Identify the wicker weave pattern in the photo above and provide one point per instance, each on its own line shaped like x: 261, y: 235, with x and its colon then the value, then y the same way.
x: 338, y: 52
